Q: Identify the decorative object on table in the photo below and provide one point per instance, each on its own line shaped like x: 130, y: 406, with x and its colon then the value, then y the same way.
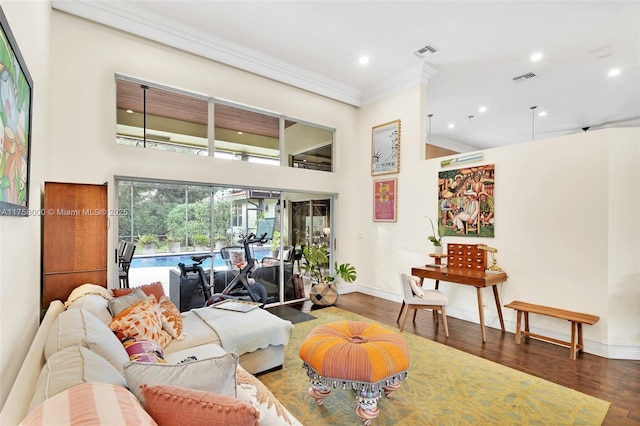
x: 16, y: 99
x: 436, y: 239
x: 466, y: 256
x: 437, y: 262
x: 466, y: 201
x: 324, y: 291
x: 494, y: 268
x: 385, y: 200
x: 328, y: 348
x: 385, y: 148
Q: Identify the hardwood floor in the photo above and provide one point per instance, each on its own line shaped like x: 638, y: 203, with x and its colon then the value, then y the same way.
x: 616, y: 381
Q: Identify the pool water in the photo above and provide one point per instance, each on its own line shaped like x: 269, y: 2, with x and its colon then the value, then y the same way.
x: 172, y: 260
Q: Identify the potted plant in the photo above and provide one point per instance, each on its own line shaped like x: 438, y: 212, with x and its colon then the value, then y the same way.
x: 173, y: 243
x: 436, y: 239
x: 149, y: 243
x: 201, y: 242
x: 323, y: 290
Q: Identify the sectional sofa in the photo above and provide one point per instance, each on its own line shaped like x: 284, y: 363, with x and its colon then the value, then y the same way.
x: 104, y: 357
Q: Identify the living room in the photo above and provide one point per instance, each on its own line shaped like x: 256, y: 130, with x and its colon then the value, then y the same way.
x: 563, y: 238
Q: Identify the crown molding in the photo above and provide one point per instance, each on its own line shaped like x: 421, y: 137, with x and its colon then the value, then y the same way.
x: 418, y: 74
x: 127, y: 17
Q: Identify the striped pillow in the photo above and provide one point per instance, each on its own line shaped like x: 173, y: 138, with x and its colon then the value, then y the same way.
x: 90, y: 404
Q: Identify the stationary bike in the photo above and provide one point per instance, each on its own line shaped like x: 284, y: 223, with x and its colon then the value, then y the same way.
x: 243, y: 287
x: 193, y: 277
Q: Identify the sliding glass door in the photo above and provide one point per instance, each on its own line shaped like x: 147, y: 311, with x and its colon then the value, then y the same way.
x: 170, y: 222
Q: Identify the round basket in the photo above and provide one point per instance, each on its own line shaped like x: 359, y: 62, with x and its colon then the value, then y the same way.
x: 323, y: 294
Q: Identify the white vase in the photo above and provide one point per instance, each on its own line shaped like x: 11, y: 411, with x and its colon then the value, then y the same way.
x: 437, y: 250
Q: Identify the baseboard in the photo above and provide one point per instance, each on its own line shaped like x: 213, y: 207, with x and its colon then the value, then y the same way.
x: 626, y: 352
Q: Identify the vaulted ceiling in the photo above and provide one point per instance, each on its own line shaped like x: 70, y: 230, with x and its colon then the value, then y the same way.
x: 480, y: 48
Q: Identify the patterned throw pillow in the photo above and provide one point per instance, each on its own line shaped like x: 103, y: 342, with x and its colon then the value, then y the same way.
x: 254, y: 392
x: 142, y: 321
x: 90, y: 404
x: 173, y: 405
x: 171, y: 318
x: 143, y: 351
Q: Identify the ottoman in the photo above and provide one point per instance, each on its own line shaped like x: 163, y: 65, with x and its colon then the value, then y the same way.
x: 364, y: 357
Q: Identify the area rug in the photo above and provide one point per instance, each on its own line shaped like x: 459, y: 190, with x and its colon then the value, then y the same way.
x: 445, y: 386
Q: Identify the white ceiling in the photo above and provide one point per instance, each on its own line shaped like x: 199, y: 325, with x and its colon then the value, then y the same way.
x: 481, y: 46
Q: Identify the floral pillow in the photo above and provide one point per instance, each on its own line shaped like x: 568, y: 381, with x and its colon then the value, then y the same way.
x: 142, y: 321
x: 171, y: 318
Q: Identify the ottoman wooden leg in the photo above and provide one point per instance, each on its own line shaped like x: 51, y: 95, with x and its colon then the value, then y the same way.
x: 366, y: 406
x: 319, y: 392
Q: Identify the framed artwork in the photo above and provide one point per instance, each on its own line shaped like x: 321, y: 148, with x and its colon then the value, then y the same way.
x: 385, y: 200
x: 466, y: 204
x: 385, y: 148
x: 16, y: 98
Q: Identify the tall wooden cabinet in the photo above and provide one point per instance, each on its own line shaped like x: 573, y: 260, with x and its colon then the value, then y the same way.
x: 74, y: 238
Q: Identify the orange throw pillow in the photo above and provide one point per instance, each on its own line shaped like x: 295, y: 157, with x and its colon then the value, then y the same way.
x: 173, y: 405
x: 141, y: 321
x: 154, y: 288
x: 171, y: 318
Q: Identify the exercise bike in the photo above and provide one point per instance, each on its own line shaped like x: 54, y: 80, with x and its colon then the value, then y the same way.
x: 194, y: 284
x: 243, y: 287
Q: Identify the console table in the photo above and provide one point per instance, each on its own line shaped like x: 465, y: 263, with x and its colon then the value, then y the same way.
x: 470, y: 277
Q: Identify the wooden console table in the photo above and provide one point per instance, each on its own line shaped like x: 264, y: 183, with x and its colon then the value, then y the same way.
x: 475, y: 278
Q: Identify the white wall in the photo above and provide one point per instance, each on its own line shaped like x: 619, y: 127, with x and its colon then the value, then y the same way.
x: 563, y: 236
x: 20, y: 236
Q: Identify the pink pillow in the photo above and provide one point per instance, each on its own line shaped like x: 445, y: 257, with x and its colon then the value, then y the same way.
x: 144, y: 351
x: 154, y: 288
x: 173, y: 405
x: 141, y: 321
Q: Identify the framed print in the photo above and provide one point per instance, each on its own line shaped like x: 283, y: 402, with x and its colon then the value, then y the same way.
x: 385, y: 148
x: 16, y: 97
x: 466, y: 206
x: 385, y: 200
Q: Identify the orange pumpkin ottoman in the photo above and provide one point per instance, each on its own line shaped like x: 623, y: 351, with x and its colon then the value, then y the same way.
x: 365, y: 357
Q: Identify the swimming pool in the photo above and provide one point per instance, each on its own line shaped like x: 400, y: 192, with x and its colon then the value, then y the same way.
x: 172, y: 260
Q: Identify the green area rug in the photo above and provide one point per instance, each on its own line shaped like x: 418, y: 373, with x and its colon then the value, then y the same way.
x: 445, y: 386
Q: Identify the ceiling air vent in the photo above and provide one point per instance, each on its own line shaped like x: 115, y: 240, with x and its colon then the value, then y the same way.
x: 526, y: 76
x: 423, y: 51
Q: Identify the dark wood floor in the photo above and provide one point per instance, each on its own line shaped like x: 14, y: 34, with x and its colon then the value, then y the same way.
x: 616, y: 381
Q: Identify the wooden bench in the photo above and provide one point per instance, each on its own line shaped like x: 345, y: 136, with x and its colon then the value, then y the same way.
x: 576, y: 319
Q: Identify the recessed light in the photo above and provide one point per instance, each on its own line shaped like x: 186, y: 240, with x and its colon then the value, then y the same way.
x: 614, y: 72
x: 536, y: 56
x: 240, y: 133
x: 129, y: 111
x: 542, y: 113
x: 364, y: 60
x: 451, y: 126
x: 482, y: 109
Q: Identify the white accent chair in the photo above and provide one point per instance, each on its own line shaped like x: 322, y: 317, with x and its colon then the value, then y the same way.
x: 415, y: 297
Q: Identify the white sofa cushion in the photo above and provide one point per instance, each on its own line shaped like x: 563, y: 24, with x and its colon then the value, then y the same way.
x: 211, y: 374
x: 90, y: 404
x: 79, y: 327
x: 195, y: 331
x: 70, y: 367
x: 94, y: 304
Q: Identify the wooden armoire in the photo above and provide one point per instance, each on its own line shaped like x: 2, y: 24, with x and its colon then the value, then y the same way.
x: 74, y: 238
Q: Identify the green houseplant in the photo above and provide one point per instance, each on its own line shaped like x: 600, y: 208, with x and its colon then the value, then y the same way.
x: 323, y: 290
x: 436, y: 238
